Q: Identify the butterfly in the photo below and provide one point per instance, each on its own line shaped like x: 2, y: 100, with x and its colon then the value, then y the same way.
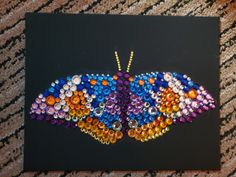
x: 108, y: 108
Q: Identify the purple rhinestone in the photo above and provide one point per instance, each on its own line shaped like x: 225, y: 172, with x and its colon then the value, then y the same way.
x: 182, y: 119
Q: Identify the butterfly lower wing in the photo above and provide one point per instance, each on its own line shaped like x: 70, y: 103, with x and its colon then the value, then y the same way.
x: 80, y: 101
x: 164, y: 98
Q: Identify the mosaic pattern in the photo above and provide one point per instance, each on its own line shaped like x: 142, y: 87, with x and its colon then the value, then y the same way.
x: 107, y: 108
x: 12, y: 55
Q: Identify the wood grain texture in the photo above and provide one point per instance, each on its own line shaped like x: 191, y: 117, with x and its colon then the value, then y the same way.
x: 12, y: 64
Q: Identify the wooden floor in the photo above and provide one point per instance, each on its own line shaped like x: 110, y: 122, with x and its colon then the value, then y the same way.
x: 12, y: 72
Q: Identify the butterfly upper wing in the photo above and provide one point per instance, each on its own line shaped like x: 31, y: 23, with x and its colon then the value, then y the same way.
x: 81, y: 101
x: 163, y: 98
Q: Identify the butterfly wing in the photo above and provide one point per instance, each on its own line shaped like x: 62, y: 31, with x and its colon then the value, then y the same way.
x: 161, y: 99
x: 81, y: 101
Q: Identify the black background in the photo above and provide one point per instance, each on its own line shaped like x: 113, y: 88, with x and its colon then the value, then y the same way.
x: 61, y: 45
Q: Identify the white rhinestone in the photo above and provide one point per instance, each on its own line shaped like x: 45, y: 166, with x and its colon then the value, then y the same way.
x: 167, y: 76
x: 40, y: 96
x: 84, y: 91
x: 74, y: 119
x: 171, y: 84
x: 181, y: 92
x: 69, y: 83
x: 152, y: 110
x: 117, y: 126
x: 65, y: 108
x: 52, y: 84
x: 69, y: 93
x: 175, y: 89
x: 62, y: 96
x: 57, y: 106
x: 56, y: 81
x: 65, y: 87
x: 188, y: 101
x: 73, y: 88
x: 55, y: 116
x: 185, y: 111
x: 62, y: 91
x: 76, y: 79
x: 133, y: 123
x: 182, y: 105
x: 43, y: 99
x: 181, y: 99
x: 67, y: 117
x: 62, y: 102
x: 179, y: 114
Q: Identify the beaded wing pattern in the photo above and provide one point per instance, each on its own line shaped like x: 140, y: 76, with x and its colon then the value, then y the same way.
x: 108, y: 108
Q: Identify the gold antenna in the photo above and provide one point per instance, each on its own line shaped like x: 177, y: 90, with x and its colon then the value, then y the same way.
x: 118, y: 61
x: 129, y: 63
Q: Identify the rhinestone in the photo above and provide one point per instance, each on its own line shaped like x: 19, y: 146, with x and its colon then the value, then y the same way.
x: 73, y: 88
x: 101, y: 105
x: 66, y: 87
x: 62, y: 96
x: 55, y: 116
x: 56, y: 81
x: 152, y: 110
x: 182, y: 105
x: 167, y: 76
x: 62, y: 102
x: 67, y: 117
x: 88, y: 105
x: 40, y: 96
x: 76, y: 79
x: 69, y: 83
x: 62, y: 91
x: 89, y: 99
x: 84, y: 91
x: 188, y: 101
x: 69, y: 93
x: 179, y: 114
x: 133, y: 123
x: 74, y: 119
x: 57, y: 106
x: 117, y: 126
x: 98, y: 111
x: 146, y: 104
x: 65, y: 108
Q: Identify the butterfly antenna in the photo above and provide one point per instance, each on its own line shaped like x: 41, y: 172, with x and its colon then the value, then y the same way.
x: 130, y: 61
x: 118, y: 61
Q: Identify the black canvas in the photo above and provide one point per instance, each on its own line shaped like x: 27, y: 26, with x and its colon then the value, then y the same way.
x: 58, y: 45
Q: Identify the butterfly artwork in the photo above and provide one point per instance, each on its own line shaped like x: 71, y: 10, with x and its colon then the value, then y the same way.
x: 108, y: 108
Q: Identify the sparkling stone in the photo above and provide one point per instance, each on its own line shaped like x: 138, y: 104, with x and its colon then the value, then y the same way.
x: 66, y: 87
x: 167, y: 76
x: 40, y: 96
x: 75, y: 119
x: 34, y: 105
x: 67, y: 117
x: 73, y: 88
x: 133, y: 123
x: 50, y: 111
x: 117, y: 126
x: 146, y: 104
x: 98, y: 111
x: 195, y: 104
x: 188, y: 101
x: 69, y: 93
x: 62, y: 102
x: 76, y: 79
x: 57, y: 106
x: 182, y: 105
x: 65, y: 108
x: 62, y: 91
x: 42, y: 106
x: 152, y: 110
x: 185, y: 111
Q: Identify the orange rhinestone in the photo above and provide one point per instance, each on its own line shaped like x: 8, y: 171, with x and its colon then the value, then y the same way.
x: 76, y: 93
x: 150, y: 125
x: 144, y: 127
x: 80, y: 93
x: 163, y: 125
x: 192, y: 94
x: 86, y: 112
x: 141, y: 82
x: 160, y: 118
x: 79, y: 113
x: 111, y: 133
x: 113, y: 140
x: 119, y: 134
x: 80, y: 124
x: 138, y: 137
x: 57, y: 100
x: 106, y: 130
x: 170, y: 97
x: 95, y: 121
x: 83, y: 102
x: 157, y: 129
x: 169, y: 121
x: 131, y: 133
x: 77, y: 107
x: 144, y: 134
x: 151, y: 80
x: 87, y: 125
x: 131, y: 79
x: 168, y: 103
x: 175, y: 108
x: 89, y: 119
x: 101, y: 125
x: 72, y: 112
x: 75, y: 99
x: 94, y: 128
x: 50, y: 100
x: 156, y: 122
x: 115, y: 77
x: 138, y: 130
x: 150, y: 132
x: 93, y: 82
x: 105, y: 83
x: 99, y: 133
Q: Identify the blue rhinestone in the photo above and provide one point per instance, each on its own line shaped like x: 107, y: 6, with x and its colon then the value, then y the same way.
x: 68, y: 78
x: 113, y: 88
x: 160, y: 75
x: 190, y: 83
x: 90, y: 91
x: 95, y: 87
x: 164, y: 84
x: 100, y: 98
x: 80, y: 87
x: 46, y: 93
x: 186, y: 89
x: 106, y: 91
x: 196, y: 86
x: 87, y: 85
x: 51, y: 89
x: 184, y: 82
x: 56, y: 94
x: 62, y: 82
x: 84, y: 78
x: 155, y: 89
x: 57, y: 87
x: 146, y: 120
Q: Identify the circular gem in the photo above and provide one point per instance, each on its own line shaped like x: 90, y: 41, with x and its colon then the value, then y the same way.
x: 98, y: 111
x: 117, y: 126
x: 76, y: 79
x: 152, y: 110
x: 133, y: 123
